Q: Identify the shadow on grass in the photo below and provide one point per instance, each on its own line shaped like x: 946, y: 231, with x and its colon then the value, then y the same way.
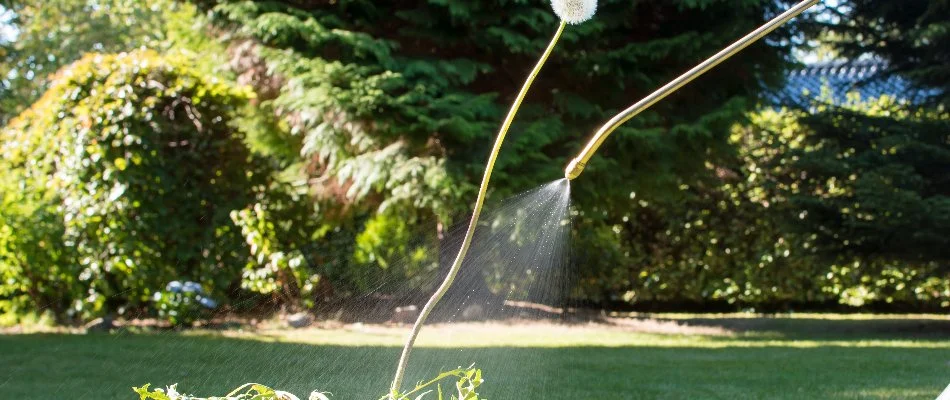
x: 878, y: 327
x: 49, y: 366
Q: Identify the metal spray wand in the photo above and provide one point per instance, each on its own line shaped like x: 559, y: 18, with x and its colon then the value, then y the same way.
x: 576, y: 166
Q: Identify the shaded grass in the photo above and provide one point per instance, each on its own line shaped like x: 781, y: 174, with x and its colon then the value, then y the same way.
x: 782, y: 360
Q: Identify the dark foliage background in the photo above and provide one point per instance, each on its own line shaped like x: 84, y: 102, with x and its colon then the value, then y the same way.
x: 332, y: 144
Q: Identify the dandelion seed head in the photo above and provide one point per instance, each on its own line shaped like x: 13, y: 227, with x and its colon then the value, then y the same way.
x: 574, y: 11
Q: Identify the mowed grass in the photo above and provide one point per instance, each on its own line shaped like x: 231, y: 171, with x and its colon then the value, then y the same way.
x: 690, y: 357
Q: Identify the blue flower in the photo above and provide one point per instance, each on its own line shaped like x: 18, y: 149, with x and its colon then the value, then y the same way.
x: 192, y: 287
x: 173, y: 286
x: 207, y: 302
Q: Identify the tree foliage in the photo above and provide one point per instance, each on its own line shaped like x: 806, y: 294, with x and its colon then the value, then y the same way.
x: 864, y: 181
x: 868, y: 179
x: 53, y: 34
x: 913, y: 37
x: 370, y: 82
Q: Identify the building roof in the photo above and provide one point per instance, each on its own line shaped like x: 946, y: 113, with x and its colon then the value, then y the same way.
x: 869, y: 79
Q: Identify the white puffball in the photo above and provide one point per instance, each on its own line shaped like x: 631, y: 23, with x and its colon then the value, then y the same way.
x: 574, y: 11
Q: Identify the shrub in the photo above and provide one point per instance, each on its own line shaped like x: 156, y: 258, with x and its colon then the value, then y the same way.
x: 36, y: 271
x: 125, y: 172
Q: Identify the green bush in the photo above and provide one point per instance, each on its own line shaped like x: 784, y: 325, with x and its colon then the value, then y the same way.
x: 36, y: 270
x: 275, y: 233
x: 865, y: 185
x: 713, y: 245
x: 125, y: 173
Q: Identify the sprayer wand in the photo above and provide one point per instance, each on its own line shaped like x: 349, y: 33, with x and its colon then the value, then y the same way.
x: 576, y: 166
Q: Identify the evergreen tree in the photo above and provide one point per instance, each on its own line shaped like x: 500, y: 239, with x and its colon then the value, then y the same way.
x: 866, y: 180
x: 864, y: 187
x: 912, y: 36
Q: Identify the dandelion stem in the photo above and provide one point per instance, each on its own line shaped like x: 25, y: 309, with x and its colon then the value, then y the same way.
x: 479, y: 202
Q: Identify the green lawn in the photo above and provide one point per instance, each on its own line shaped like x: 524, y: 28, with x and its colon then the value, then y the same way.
x: 751, y: 358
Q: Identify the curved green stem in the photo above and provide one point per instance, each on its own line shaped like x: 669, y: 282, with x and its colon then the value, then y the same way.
x: 479, y: 202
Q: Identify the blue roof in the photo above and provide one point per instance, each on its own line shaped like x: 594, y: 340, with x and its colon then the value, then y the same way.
x: 868, y: 79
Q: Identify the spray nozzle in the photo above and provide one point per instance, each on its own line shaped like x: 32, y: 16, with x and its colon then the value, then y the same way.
x: 574, y: 169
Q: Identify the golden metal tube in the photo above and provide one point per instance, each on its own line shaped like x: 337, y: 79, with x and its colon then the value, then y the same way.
x: 470, y: 232
x: 576, y: 166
